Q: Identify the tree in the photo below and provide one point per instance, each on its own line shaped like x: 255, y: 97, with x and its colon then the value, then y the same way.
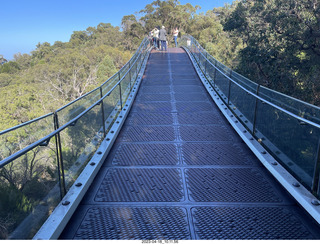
x: 68, y: 76
x: 133, y: 31
x: 10, y: 67
x: 169, y: 14
x: 106, y: 69
x: 281, y: 44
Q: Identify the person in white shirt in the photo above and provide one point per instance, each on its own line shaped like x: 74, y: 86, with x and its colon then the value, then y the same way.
x: 155, y: 34
x: 175, y: 35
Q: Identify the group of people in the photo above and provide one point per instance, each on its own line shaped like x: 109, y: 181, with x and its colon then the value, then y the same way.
x: 159, y: 37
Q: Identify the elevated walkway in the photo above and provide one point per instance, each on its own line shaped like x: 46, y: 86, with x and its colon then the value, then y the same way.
x: 178, y: 170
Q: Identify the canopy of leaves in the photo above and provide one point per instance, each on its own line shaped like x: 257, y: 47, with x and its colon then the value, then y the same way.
x: 281, y: 44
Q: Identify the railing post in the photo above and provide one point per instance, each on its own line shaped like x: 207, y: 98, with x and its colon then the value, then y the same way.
x: 130, y: 75
x: 229, y: 91
x: 205, y: 66
x: 120, y: 95
x: 316, y: 175
x: 215, y: 75
x: 137, y: 70
x: 255, y: 112
x: 102, y: 113
x: 120, y: 91
x: 62, y: 182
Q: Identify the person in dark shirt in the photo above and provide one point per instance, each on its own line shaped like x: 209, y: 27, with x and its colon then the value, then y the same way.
x: 163, y: 38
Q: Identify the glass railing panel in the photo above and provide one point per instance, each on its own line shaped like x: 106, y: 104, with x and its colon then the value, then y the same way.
x: 111, y: 106
x: 79, y: 142
x: 206, y: 68
x: 195, y: 52
x: 14, y: 140
x: 292, y: 105
x: 210, y: 73
x: 130, y: 77
x: 243, y: 105
x: 134, y: 72
x: 125, y: 88
x: 222, y: 82
x: 244, y: 82
x: 212, y: 60
x: 29, y: 191
x: 107, y: 86
x: 72, y: 110
x: 295, y: 144
x: 123, y: 71
x: 202, y: 63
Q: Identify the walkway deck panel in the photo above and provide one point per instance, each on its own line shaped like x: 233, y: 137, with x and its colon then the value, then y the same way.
x: 178, y: 170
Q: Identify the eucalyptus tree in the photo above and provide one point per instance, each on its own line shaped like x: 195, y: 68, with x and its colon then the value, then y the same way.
x: 281, y: 44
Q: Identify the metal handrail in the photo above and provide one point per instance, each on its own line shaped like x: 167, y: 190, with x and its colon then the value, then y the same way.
x: 48, y: 137
x: 110, y: 78
x: 24, y: 124
x: 260, y: 98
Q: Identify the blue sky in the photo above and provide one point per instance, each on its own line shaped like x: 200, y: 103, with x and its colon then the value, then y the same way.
x: 25, y: 23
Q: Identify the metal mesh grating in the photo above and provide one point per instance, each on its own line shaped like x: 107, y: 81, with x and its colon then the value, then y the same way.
x: 203, y: 118
x: 154, y: 107
x: 146, y: 154
x: 191, y: 97
x: 193, y: 106
x: 156, y: 79
x: 154, y: 89
x: 150, y: 119
x: 230, y: 185
x: 216, y: 154
x: 141, y: 185
x: 134, y: 224
x: 154, y: 97
x: 205, y: 133
x: 189, y: 78
x: 185, y: 81
x: 188, y: 89
x: 248, y: 223
x: 148, y: 133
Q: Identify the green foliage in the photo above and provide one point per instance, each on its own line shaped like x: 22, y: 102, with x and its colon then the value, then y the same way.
x: 53, y: 75
x: 9, y: 68
x: 282, y: 45
x: 106, y: 69
x: 14, y: 206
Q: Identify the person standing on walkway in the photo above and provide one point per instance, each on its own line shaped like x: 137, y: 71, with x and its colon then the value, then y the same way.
x: 155, y: 34
x: 175, y: 36
x: 163, y: 38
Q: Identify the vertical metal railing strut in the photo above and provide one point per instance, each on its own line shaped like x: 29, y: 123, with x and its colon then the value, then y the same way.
x: 59, y: 158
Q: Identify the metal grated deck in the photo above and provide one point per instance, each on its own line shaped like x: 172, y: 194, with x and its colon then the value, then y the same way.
x: 179, y: 171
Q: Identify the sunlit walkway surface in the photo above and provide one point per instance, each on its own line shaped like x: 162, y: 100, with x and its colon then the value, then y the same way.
x: 179, y: 171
